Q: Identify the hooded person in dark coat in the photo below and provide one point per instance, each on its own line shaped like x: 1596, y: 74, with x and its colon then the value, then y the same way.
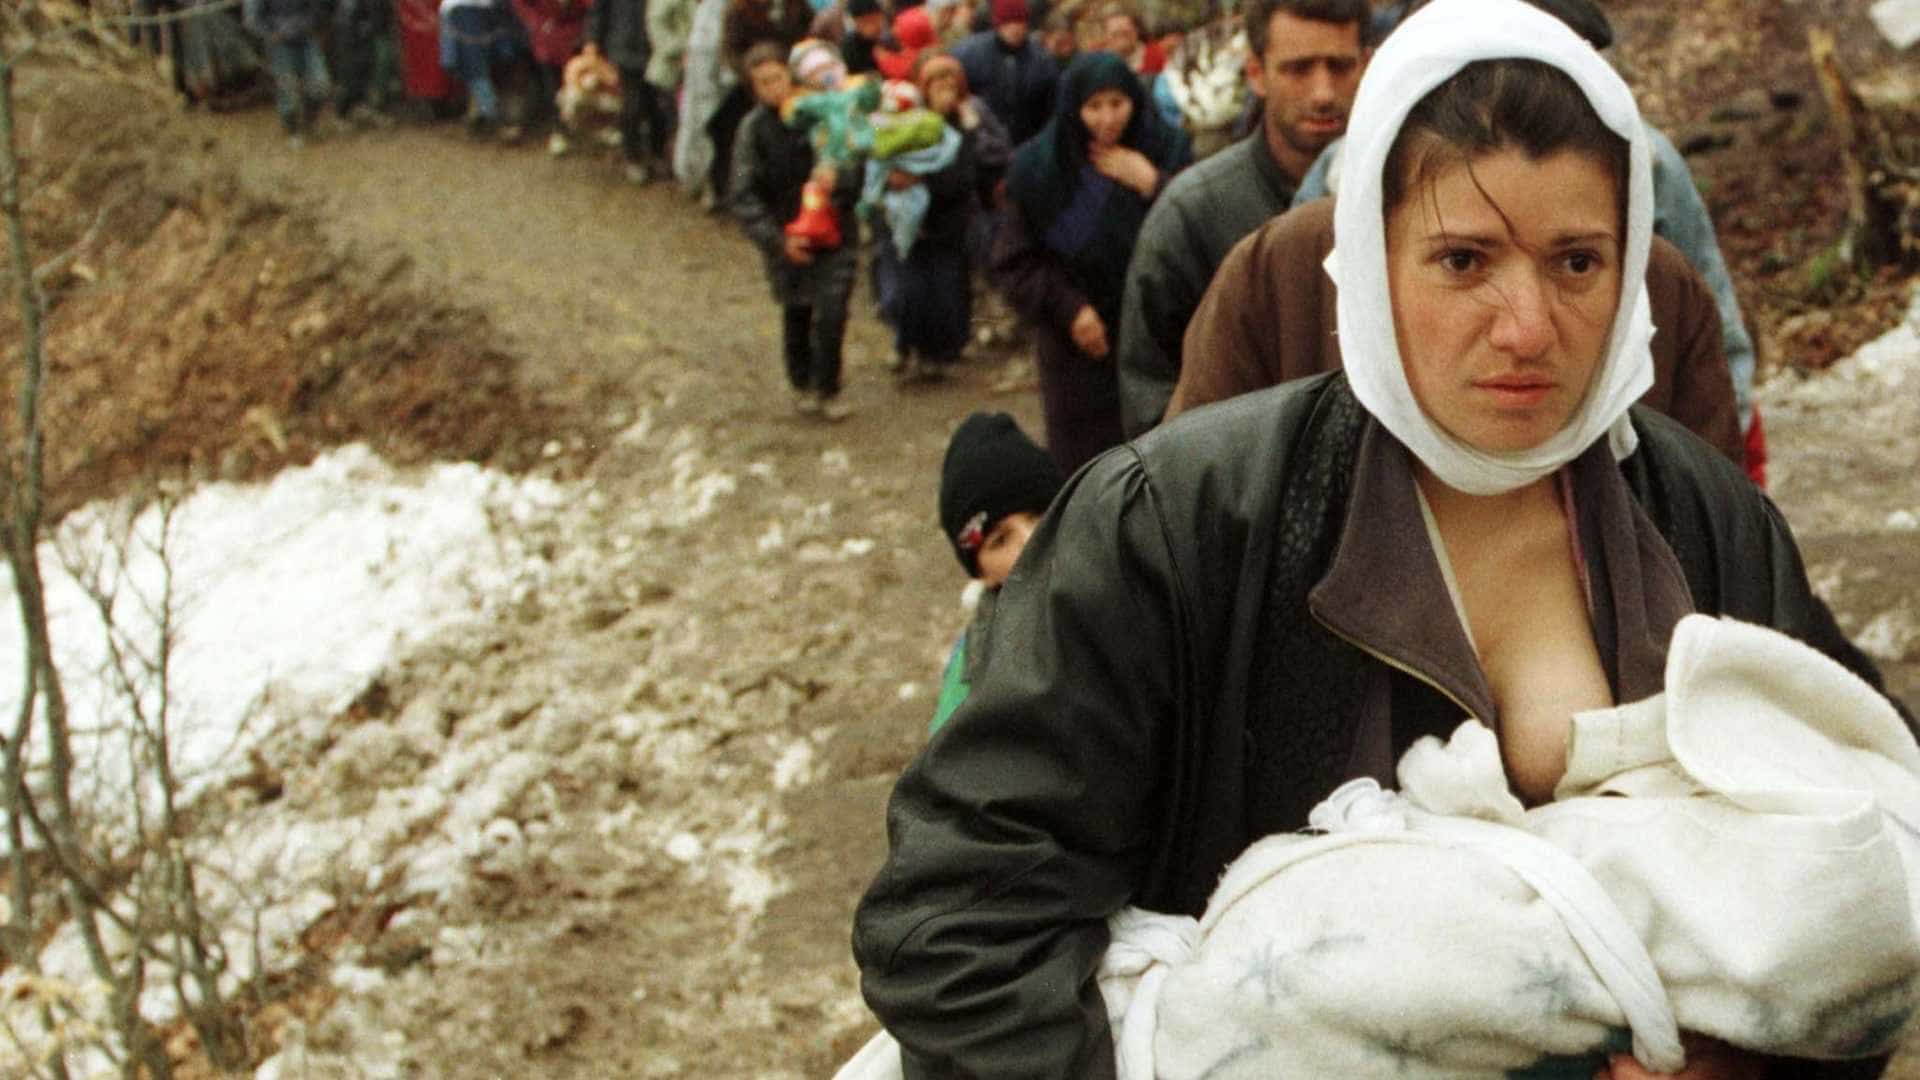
x: 1078, y: 192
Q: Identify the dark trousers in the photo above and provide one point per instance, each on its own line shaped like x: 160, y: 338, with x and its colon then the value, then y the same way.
x: 925, y: 298
x: 646, y: 121
x: 1080, y: 398
x: 721, y: 126
x: 300, y: 82
x: 365, y: 63
x: 812, y: 338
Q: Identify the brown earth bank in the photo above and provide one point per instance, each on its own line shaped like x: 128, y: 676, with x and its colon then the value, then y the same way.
x: 199, y: 326
x: 737, y: 647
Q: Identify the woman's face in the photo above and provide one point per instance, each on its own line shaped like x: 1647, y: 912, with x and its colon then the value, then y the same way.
x: 1106, y: 112
x: 943, y: 93
x: 1504, y: 282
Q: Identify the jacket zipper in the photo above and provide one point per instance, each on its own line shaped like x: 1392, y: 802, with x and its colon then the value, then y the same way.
x: 1398, y: 666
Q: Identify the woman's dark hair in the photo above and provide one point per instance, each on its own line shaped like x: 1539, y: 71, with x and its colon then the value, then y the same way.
x: 1493, y: 105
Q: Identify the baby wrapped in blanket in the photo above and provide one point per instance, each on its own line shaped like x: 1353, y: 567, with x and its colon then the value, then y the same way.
x: 1736, y: 856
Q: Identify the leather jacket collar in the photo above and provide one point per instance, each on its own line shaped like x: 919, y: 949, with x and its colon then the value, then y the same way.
x: 1384, y: 593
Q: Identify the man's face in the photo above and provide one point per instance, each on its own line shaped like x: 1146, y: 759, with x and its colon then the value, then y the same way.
x: 1013, y: 32
x: 1123, y: 38
x: 871, y: 25
x: 1308, y: 76
x: 1060, y: 43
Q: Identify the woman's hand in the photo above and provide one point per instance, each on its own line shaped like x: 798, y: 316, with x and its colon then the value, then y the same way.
x: 1125, y: 165
x: 1707, y: 1059
x: 799, y: 252
x: 1089, y: 333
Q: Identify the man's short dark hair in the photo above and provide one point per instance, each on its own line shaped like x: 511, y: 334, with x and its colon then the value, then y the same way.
x: 1260, y: 16
x: 1584, y: 17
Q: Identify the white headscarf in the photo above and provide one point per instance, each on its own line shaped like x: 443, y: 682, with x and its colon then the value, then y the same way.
x: 1423, y: 52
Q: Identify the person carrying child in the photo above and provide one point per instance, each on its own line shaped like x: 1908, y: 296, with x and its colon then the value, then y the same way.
x: 811, y: 279
x: 919, y: 198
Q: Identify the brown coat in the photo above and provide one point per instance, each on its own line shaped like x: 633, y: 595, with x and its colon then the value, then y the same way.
x: 1268, y: 317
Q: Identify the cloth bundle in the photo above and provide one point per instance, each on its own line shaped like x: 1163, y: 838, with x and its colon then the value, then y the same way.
x: 919, y: 142
x: 1738, y: 856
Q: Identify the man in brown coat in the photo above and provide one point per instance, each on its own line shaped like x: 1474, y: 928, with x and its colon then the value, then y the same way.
x: 1268, y: 317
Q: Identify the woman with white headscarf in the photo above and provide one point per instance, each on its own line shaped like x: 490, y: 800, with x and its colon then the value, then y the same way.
x: 1217, y: 625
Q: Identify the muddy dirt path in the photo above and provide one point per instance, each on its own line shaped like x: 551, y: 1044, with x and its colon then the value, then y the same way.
x: 787, y: 644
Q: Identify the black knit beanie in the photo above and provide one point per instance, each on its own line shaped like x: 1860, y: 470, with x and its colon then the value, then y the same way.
x: 992, y: 470
x: 857, y: 8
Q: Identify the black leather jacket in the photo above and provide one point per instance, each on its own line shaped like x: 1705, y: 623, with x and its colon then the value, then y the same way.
x: 1165, y: 684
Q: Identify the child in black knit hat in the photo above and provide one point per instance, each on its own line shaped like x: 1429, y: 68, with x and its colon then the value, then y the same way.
x: 994, y: 486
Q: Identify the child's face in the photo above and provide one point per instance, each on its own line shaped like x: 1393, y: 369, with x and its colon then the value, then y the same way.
x: 1003, y: 545
x: 772, y: 83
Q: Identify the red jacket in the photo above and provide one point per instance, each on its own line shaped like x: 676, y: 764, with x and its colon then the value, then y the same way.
x: 554, y: 27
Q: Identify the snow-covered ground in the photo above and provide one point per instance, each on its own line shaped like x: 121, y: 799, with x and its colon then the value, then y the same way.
x: 284, y: 599
x: 283, y: 602
x: 298, y: 604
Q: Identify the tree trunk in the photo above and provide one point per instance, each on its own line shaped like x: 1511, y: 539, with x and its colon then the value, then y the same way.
x: 1883, y: 193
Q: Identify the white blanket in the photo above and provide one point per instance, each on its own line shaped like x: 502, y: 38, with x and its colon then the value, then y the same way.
x: 1736, y: 856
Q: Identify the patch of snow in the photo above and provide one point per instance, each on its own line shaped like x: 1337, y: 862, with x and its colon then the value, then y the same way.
x: 684, y: 847
x: 638, y: 432
x: 1892, y: 637
x: 1897, y: 20
x: 794, y: 766
x: 354, y: 979
x: 286, y: 598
